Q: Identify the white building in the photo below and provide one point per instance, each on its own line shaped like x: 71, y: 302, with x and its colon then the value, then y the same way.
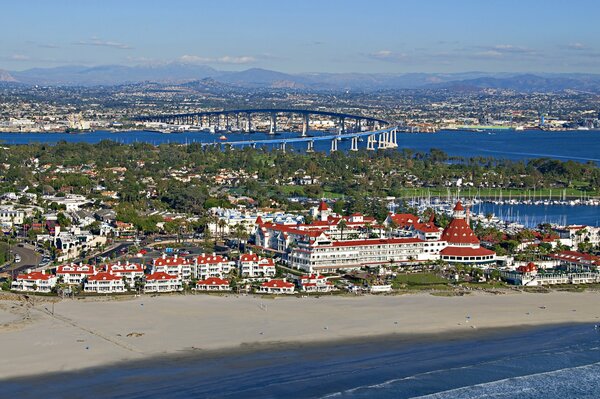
x: 206, y: 266
x: 174, y: 265
x: 327, y: 255
x: 530, y: 276
x: 162, y: 282
x: 277, y: 287
x: 34, y: 282
x: 251, y: 265
x: 213, y: 284
x: 104, y: 283
x: 71, y: 243
x: 315, y: 283
x: 72, y: 202
x: 130, y: 271
x: 10, y: 217
x: 75, y: 274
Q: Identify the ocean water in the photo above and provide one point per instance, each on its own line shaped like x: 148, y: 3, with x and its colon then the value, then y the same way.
x: 531, y: 215
x: 580, y: 146
x: 549, y: 362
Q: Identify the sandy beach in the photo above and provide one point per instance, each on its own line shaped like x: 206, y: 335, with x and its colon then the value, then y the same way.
x: 95, y: 332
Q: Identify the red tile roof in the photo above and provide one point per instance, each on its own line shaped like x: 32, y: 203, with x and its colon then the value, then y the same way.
x: 459, y: 232
x: 323, y: 206
x: 205, y: 259
x: 103, y: 276
x: 160, y: 276
x: 249, y: 258
x: 466, y: 251
x: 527, y: 269
x: 75, y: 269
x: 277, y: 284
x: 213, y: 281
x: 171, y: 261
x: 376, y: 241
x: 34, y: 276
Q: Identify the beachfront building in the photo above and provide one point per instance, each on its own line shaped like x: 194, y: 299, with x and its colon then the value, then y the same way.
x: 104, y: 283
x: 277, y: 287
x: 174, y: 265
x: 162, y: 282
x: 324, y: 255
x: 251, y: 265
x: 463, y: 246
x: 575, y: 260
x: 74, y: 274
x: 213, y: 284
x: 34, y: 282
x: 129, y: 271
x: 206, y: 266
x: 531, y: 276
x: 279, y: 238
x: 228, y: 220
x: 315, y: 283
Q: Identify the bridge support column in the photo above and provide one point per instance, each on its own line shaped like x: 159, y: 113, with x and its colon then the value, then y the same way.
x: 282, y: 147
x: 342, y: 126
x: 354, y: 145
x: 227, y: 127
x: 371, y: 140
x: 311, y: 146
x: 305, y: 122
x: 273, y: 128
x: 249, y: 123
x: 333, y: 145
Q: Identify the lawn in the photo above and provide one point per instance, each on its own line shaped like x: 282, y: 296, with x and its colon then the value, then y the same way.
x: 420, y: 281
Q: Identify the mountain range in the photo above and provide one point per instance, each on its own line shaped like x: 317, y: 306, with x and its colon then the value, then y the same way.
x: 178, y: 73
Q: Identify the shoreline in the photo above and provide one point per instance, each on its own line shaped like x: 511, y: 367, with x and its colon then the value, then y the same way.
x: 94, y: 333
x: 402, y: 340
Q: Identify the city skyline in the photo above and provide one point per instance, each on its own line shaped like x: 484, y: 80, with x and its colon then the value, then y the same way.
x: 335, y: 36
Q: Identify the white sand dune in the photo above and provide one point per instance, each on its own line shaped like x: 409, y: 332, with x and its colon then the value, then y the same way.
x: 95, y: 332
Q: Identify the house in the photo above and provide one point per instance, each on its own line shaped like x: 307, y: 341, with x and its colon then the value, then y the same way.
x: 531, y: 276
x: 162, y: 282
x: 174, y: 265
x: 34, y: 282
x: 251, y: 265
x: 277, y: 287
x: 129, y: 271
x: 74, y: 274
x: 104, y: 283
x: 206, y: 266
x: 315, y: 283
x: 212, y: 284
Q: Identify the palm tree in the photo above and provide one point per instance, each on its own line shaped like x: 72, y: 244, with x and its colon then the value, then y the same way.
x: 221, y: 224
x: 240, y: 234
x: 342, y: 224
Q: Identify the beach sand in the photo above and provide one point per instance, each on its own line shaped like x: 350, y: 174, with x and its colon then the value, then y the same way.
x: 95, y: 332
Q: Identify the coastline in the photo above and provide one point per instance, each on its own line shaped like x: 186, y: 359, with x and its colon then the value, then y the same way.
x: 96, y: 333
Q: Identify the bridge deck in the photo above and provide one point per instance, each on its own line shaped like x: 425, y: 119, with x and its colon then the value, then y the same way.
x: 263, y: 110
x: 302, y: 139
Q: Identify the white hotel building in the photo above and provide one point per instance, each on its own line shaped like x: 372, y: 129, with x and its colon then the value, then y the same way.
x: 324, y: 255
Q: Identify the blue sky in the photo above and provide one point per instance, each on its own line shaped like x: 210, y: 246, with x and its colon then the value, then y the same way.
x: 306, y: 36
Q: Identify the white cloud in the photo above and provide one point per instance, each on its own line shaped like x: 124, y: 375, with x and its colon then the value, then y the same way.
x: 576, y: 46
x: 19, y: 57
x: 103, y: 43
x: 227, y: 59
x: 388, y: 55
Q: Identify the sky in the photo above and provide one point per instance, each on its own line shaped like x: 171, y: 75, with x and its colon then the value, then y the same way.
x: 369, y: 36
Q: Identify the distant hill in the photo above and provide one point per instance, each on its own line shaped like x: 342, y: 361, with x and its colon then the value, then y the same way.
x: 179, y: 73
x: 113, y: 74
x: 5, y: 76
x: 527, y: 83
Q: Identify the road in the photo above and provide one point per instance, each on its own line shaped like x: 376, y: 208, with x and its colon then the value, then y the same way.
x: 29, y: 258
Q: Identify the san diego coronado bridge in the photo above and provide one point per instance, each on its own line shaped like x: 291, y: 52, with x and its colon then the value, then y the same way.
x: 379, y: 133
